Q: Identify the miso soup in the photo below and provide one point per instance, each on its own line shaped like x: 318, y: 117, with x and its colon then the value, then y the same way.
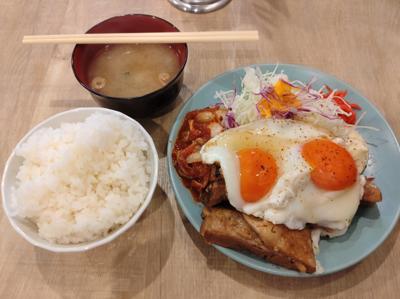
x: 132, y: 70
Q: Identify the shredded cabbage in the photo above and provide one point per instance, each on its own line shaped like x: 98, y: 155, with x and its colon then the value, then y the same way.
x: 257, y: 86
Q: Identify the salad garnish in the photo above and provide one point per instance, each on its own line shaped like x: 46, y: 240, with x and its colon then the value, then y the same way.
x: 272, y: 94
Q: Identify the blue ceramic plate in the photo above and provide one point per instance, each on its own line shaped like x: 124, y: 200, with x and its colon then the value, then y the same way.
x: 371, y: 225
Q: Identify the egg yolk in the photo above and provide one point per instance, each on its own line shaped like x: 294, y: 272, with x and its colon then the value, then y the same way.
x: 333, y: 168
x: 258, y: 173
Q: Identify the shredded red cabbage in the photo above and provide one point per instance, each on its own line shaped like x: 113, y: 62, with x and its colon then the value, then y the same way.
x: 230, y: 121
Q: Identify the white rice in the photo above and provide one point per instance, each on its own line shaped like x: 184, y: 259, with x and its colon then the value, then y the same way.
x: 82, y: 180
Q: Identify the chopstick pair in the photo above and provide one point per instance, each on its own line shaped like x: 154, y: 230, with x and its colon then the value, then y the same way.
x: 143, y: 38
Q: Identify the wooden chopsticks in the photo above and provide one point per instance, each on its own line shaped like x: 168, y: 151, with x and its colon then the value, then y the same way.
x: 143, y: 38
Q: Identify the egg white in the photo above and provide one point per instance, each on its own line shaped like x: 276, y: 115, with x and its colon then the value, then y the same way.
x: 294, y: 200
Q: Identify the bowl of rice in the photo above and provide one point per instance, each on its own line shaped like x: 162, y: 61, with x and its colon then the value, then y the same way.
x: 79, y: 179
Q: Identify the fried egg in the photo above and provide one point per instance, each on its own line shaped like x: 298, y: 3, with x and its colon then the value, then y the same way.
x: 292, y: 172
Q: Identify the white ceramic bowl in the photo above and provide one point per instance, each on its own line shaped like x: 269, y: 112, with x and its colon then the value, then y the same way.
x: 27, y: 229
